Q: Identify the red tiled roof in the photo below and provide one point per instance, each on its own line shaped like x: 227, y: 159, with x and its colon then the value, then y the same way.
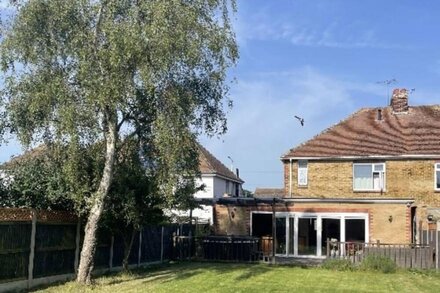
x: 268, y: 192
x: 211, y: 165
x: 416, y: 132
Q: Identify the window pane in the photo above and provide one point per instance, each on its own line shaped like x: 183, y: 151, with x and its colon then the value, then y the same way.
x: 291, y: 235
x: 376, y: 181
x: 378, y: 167
x: 307, y: 236
x: 280, y: 244
x: 438, y: 179
x: 302, y: 173
x: 363, y: 177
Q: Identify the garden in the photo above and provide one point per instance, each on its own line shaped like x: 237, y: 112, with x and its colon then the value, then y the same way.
x: 227, y: 277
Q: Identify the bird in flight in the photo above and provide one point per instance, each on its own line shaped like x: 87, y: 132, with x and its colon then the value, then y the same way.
x: 301, y: 120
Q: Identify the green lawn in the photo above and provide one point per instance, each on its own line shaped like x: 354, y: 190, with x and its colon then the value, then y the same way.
x: 221, y: 277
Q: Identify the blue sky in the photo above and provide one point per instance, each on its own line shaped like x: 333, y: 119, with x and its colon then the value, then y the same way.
x: 320, y: 60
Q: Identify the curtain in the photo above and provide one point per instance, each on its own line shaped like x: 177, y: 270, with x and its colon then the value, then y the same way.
x: 363, y: 178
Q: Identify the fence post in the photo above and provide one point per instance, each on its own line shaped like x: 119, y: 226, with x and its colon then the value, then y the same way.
x: 110, y: 260
x: 328, y: 248
x: 32, y: 248
x: 437, y: 246
x: 77, y: 243
x: 161, y: 246
x: 190, y: 244
x: 140, y: 247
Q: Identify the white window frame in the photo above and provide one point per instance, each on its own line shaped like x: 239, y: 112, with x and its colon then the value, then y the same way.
x: 306, y: 169
x: 383, y: 189
x: 436, y: 169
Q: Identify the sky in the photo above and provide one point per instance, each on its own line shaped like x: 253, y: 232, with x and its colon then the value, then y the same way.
x: 320, y: 60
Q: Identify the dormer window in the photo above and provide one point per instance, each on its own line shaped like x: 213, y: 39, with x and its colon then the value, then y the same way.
x: 369, y: 176
x: 437, y: 176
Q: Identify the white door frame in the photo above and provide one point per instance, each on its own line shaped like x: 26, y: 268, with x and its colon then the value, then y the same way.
x: 318, y: 216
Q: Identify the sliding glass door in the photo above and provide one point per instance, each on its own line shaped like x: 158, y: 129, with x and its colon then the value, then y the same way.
x: 280, y: 236
x: 307, y: 236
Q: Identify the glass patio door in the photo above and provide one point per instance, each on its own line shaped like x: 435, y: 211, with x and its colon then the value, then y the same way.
x: 307, y: 236
x: 280, y: 236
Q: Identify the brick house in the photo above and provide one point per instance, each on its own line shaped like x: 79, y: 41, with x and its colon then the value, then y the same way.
x: 374, y: 176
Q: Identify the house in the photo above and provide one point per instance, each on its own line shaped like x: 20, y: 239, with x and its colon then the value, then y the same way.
x: 218, y: 182
x: 374, y: 176
x: 268, y: 192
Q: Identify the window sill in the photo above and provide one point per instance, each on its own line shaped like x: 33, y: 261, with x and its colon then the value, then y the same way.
x: 370, y: 191
x: 306, y: 186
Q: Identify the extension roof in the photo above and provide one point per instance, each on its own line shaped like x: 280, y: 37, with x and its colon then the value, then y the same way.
x: 211, y: 165
x: 268, y: 192
x: 413, y: 133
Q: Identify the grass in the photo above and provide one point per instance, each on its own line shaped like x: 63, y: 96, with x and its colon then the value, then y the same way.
x: 223, y: 277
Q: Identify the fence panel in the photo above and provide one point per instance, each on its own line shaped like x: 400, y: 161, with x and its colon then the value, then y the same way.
x: 102, y: 253
x: 219, y: 248
x: 404, y: 255
x: 151, y: 244
x: 54, y: 249
x: 14, y: 250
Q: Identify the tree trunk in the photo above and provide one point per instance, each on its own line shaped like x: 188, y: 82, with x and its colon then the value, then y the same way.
x: 127, y: 250
x: 89, y: 245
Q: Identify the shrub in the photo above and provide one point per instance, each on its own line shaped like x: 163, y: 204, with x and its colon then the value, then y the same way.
x: 378, y: 263
x: 338, y: 265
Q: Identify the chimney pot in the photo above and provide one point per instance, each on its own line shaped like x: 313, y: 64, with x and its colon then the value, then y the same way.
x: 399, y: 101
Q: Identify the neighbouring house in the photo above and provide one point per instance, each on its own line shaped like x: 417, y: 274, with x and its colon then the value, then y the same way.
x: 218, y: 182
x: 374, y: 176
x: 268, y: 192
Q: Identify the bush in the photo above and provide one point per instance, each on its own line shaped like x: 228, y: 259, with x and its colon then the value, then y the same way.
x: 378, y: 263
x: 338, y: 265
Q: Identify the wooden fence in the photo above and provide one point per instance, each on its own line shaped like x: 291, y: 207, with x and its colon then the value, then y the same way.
x: 217, y: 248
x: 39, y: 245
x: 420, y: 256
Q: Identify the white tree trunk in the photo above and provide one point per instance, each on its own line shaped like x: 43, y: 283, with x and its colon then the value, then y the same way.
x: 89, y: 245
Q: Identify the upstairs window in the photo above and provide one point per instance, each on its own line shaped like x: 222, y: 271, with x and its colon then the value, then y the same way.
x: 437, y: 176
x: 302, y: 173
x: 369, y: 177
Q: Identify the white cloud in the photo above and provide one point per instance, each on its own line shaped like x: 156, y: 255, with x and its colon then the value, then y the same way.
x: 261, y: 26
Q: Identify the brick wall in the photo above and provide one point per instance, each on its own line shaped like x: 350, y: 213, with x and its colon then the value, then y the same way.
x: 334, y: 179
x: 235, y: 220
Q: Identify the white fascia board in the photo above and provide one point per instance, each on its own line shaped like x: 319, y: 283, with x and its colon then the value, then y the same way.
x: 354, y: 200
x: 220, y: 176
x: 381, y: 157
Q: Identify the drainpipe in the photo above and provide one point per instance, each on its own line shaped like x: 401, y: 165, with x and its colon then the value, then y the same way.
x: 274, y: 227
x: 290, y: 178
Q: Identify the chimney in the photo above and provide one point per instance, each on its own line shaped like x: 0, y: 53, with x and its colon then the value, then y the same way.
x: 399, y: 101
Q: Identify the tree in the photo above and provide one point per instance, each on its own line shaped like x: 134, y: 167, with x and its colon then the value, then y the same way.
x: 86, y: 71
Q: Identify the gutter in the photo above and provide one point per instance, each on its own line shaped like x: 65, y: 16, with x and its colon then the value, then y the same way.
x: 342, y: 158
x: 223, y: 177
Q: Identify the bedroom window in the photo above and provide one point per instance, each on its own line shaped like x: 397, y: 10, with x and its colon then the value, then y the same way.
x: 369, y: 176
x: 437, y: 176
x: 302, y: 173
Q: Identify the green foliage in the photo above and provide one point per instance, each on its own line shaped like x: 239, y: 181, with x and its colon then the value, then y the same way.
x: 134, y: 198
x: 247, y: 193
x: 338, y: 265
x: 378, y: 263
x: 40, y: 179
x: 151, y: 70
x: 81, y: 73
